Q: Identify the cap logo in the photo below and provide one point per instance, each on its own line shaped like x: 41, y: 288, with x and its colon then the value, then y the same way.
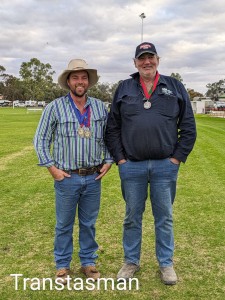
x: 145, y: 46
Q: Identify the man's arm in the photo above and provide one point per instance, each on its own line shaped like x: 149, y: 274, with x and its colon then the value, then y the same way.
x: 113, y: 130
x: 186, y: 128
x: 43, y: 137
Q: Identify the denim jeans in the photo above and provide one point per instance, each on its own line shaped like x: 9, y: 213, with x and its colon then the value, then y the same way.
x: 135, y: 179
x: 82, y: 192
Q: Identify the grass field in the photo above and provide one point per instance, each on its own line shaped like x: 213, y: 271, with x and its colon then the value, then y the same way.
x: 28, y: 218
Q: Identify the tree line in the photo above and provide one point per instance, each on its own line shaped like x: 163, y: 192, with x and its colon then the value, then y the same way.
x: 36, y: 83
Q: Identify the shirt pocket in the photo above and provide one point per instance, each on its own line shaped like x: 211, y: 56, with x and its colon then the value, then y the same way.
x: 167, y: 105
x: 97, y: 127
x: 67, y: 127
x: 130, y: 105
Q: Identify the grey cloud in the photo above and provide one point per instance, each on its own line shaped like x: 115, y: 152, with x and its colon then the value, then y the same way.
x: 187, y: 35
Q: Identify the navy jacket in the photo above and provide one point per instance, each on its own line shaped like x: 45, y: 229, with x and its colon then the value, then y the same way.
x: 165, y: 130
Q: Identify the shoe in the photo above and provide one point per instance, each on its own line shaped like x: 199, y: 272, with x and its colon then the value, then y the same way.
x: 127, y: 271
x: 168, y: 275
x: 90, y: 272
x: 62, y: 274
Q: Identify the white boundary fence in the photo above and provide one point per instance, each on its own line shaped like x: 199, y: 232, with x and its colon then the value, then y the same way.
x: 33, y: 109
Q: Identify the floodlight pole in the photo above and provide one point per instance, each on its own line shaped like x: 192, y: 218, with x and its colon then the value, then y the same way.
x: 142, y: 16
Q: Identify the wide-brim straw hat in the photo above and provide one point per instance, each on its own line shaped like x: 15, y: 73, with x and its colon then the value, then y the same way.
x: 77, y: 65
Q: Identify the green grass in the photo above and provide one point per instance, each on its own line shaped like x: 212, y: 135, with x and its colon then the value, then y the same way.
x: 28, y: 217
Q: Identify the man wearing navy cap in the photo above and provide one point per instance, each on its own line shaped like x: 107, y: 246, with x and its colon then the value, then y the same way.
x: 150, y: 131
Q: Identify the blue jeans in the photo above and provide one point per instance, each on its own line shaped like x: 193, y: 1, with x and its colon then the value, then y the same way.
x: 82, y: 192
x: 135, y: 177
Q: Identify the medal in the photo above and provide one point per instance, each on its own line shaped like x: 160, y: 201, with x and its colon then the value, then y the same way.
x: 87, y: 133
x: 148, y: 94
x: 80, y: 132
x: 84, y: 120
x: 84, y: 132
x: 147, y: 104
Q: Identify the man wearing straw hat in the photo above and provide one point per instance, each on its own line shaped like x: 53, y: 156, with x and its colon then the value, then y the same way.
x: 75, y: 125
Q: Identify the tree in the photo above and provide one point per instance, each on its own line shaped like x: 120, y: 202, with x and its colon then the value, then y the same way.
x: 192, y: 94
x: 103, y: 91
x: 100, y: 91
x: 55, y: 92
x: 37, y: 79
x: 215, y: 89
x: 177, y: 76
x: 10, y: 86
x: 2, y: 70
x: 13, y: 88
x: 113, y: 88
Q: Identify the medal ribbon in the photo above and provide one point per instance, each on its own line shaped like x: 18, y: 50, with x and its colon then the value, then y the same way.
x: 147, y: 93
x: 83, y: 119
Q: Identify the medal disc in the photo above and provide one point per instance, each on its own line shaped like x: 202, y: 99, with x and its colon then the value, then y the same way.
x: 80, y: 132
x: 147, y: 105
x: 87, y: 133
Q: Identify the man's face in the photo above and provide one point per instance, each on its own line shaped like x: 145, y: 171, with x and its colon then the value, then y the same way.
x: 147, y: 64
x: 78, y: 83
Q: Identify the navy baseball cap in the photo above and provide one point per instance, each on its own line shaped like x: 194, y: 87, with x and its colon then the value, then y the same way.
x: 145, y: 48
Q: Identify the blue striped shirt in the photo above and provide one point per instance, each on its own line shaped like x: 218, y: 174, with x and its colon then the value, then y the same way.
x: 58, y: 128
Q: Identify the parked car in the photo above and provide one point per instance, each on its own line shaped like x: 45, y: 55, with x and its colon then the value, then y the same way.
x: 41, y: 103
x: 5, y: 102
x: 17, y: 103
x: 219, y: 105
x: 21, y: 104
x: 30, y: 103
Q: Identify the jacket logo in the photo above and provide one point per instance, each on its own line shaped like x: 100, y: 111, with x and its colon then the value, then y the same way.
x: 165, y: 91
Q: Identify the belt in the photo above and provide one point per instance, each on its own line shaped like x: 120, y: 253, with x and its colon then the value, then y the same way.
x: 85, y: 171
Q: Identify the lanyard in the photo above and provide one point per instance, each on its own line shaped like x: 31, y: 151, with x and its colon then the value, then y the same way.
x: 148, y: 94
x: 83, y: 119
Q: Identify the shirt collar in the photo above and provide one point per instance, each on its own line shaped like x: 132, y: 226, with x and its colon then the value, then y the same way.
x: 136, y: 77
x: 67, y: 99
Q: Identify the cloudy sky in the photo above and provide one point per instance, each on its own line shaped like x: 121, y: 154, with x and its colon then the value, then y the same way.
x: 189, y: 36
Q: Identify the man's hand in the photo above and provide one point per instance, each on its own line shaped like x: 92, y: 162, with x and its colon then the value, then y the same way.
x: 105, y: 168
x: 174, y: 161
x: 122, y: 161
x: 58, y: 174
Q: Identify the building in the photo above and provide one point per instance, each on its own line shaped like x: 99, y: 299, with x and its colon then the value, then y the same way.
x: 201, y: 105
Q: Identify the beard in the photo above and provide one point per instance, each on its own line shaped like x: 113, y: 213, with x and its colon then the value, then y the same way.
x: 79, y: 94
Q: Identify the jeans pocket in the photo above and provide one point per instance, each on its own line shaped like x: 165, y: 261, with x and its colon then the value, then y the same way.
x: 174, y: 164
x: 123, y: 169
x: 59, y: 180
x: 122, y: 163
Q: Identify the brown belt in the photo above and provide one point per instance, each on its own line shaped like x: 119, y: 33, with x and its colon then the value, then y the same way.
x: 86, y: 171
